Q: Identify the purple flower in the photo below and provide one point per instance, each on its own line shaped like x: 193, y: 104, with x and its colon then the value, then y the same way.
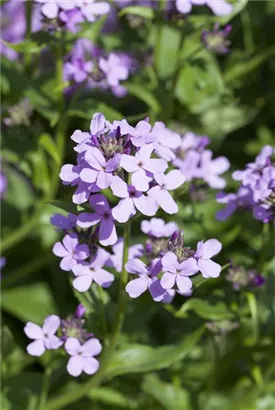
x: 80, y: 311
x: 146, y: 279
x: 177, y: 273
x: 219, y: 7
x: 140, y: 135
x: 115, y: 259
x: 71, y: 18
x: 165, y: 141
x: 102, y: 216
x: 62, y: 222
x: 210, y: 170
x: 3, y: 184
x: 140, y: 165
x: 242, y: 199
x: 160, y: 192
x: 114, y: 70
x: 216, y: 40
x: 44, y: 337
x: 205, y: 251
x: 157, y: 228
x: 131, y: 199
x: 70, y: 251
x: 82, y: 359
x: 87, y: 272
x: 93, y: 9
x: 101, y: 170
x: 3, y: 262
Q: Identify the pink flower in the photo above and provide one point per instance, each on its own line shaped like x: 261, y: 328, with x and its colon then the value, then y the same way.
x: 82, y: 359
x: 102, y: 216
x: 44, y: 337
x: 140, y: 164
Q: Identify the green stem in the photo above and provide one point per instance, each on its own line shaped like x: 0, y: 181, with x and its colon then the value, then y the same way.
x: 45, y: 388
x: 28, y: 13
x: 76, y: 394
x: 100, y: 301
x: 268, y: 233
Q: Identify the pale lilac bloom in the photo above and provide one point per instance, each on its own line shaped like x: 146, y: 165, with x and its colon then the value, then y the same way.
x: 157, y: 228
x: 265, y: 184
x: 211, y: 169
x: 147, y: 279
x: 165, y: 141
x: 114, y: 70
x: 77, y: 69
x: 189, y: 166
x: 92, y: 9
x: 44, y: 337
x: 140, y: 164
x: 131, y: 199
x: 140, y: 134
x: 174, y: 179
x: 102, y: 216
x: 62, y: 222
x: 242, y: 199
x: 205, y: 251
x: 99, y: 124
x: 50, y: 8
x: 177, y: 273
x: 101, y: 171
x: 115, y: 259
x: 70, y: 251
x: 82, y: 359
x: 219, y: 7
x: 87, y: 272
x: 71, y: 18
x: 3, y: 184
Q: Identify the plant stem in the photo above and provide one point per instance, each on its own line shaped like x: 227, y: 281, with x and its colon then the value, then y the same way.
x: 28, y: 14
x: 45, y: 388
x: 100, y: 301
x: 268, y: 233
x: 76, y: 394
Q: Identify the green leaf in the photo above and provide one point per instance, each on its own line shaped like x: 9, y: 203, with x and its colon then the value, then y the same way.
x: 142, y: 358
x: 26, y: 46
x: 46, y: 141
x: 19, y: 194
x: 205, y: 310
x: 146, y: 12
x: 63, y: 206
x: 44, y: 105
x: 109, y: 396
x: 242, y: 69
x: 168, y: 50
x: 169, y: 396
x: 141, y: 92
x: 83, y: 108
x: 32, y: 302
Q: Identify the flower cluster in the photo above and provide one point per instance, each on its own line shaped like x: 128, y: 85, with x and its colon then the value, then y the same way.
x: 70, y: 14
x: 257, y: 190
x: 243, y: 278
x: 69, y: 333
x: 197, y: 163
x: 216, y: 40
x: 89, y: 65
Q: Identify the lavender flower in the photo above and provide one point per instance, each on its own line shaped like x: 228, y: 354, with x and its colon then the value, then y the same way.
x: 44, y: 337
x: 103, y: 216
x: 219, y: 7
x: 82, y: 356
x: 166, y: 141
x: 131, y: 200
x: 70, y: 251
x: 3, y: 184
x: 62, y: 222
x: 216, y: 40
x: 140, y: 134
x: 205, y: 251
x: 242, y: 199
x: 146, y: 280
x: 178, y: 273
x: 142, y: 164
x: 157, y: 228
x: 174, y: 179
x: 87, y: 272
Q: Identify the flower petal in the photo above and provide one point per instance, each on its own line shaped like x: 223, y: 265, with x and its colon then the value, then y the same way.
x: 33, y: 331
x: 67, y: 263
x: 137, y: 267
x: 51, y: 324
x: 170, y: 262
x: 211, y: 248
x: 129, y: 163
x: 75, y: 366
x: 168, y: 280
x: 123, y: 210
x: 107, y: 232
x: 88, y: 175
x: 174, y: 179
x: 136, y: 287
x: 188, y: 267
x: 91, y: 348
x: 209, y: 269
x: 146, y: 205
x: 82, y: 283
x: 119, y: 188
x: 184, y: 284
x: 53, y: 342
x: 103, y: 278
x: 72, y: 346
x: 90, y: 365
x: 36, y: 348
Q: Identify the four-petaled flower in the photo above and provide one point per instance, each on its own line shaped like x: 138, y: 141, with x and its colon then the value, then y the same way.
x: 82, y: 359
x: 204, y: 253
x: 147, y: 279
x: 103, y: 216
x: 70, y: 251
x: 87, y: 272
x: 114, y: 69
x: 140, y: 135
x: 131, y: 199
x: 44, y: 337
x: 160, y: 192
x: 177, y: 273
x: 142, y: 164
